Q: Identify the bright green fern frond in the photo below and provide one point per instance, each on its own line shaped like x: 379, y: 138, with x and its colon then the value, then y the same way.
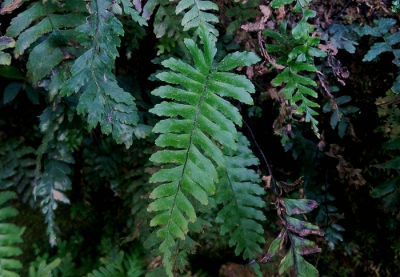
x: 197, y: 14
x: 241, y: 195
x: 201, y: 123
x: 102, y: 99
x: 43, y: 269
x: 10, y: 234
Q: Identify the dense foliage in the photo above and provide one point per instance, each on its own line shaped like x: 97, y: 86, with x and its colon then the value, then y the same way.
x: 199, y: 138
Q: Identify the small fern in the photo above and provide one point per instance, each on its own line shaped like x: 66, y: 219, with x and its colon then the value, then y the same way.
x: 17, y: 167
x: 298, y: 56
x: 10, y: 234
x: 241, y: 196
x: 125, y: 265
x: 200, y: 121
x: 44, y: 270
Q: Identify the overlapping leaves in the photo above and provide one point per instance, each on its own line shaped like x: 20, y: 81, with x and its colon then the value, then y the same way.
x: 200, y: 122
x: 102, y: 99
x: 294, y: 232
x: 52, y: 25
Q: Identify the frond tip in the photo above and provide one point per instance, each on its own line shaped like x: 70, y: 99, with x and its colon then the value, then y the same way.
x: 200, y: 124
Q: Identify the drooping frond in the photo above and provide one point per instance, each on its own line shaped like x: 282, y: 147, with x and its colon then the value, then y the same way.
x: 102, y: 99
x: 200, y: 123
x: 53, y: 181
x: 241, y: 195
x: 10, y: 234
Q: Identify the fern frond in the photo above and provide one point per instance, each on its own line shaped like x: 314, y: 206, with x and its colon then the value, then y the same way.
x: 241, y: 195
x: 197, y: 14
x: 299, y: 54
x: 17, y: 167
x: 102, y: 99
x: 10, y: 234
x: 54, y: 181
x: 200, y: 120
x: 129, y: 265
x: 44, y: 270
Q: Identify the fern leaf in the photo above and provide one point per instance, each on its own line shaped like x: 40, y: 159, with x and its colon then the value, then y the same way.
x: 5, y: 42
x: 102, y: 99
x: 197, y: 14
x: 10, y: 234
x: 241, y: 197
x: 199, y: 119
x: 44, y: 270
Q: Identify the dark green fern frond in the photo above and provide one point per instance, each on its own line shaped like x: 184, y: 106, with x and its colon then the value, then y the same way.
x: 53, y: 181
x: 200, y: 120
x: 10, y: 234
x: 241, y: 195
x: 102, y: 99
x: 17, y: 167
x: 52, y: 25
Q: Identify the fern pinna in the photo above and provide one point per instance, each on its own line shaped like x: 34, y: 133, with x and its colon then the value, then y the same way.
x: 200, y: 123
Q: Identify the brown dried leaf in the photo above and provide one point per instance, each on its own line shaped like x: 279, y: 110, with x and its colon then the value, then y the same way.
x: 8, y: 8
x: 267, y: 180
x: 289, y: 187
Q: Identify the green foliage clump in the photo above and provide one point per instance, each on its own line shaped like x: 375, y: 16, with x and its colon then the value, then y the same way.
x: 167, y: 169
